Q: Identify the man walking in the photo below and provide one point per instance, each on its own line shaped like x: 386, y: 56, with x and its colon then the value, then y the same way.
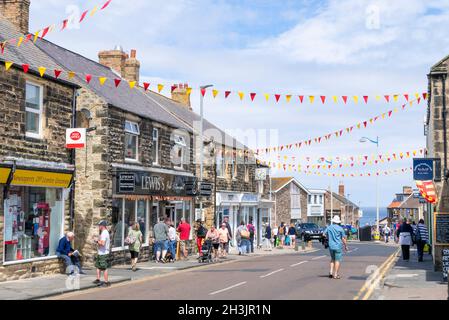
x: 184, y: 236
x: 161, y: 239
x: 228, y: 226
x: 387, y: 232
x: 422, y: 238
x: 337, y: 242
x: 102, y: 260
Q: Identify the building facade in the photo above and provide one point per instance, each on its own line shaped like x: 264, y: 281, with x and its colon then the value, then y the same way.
x: 339, y: 204
x: 315, y: 207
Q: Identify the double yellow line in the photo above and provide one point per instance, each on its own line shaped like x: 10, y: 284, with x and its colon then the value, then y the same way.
x: 370, y: 285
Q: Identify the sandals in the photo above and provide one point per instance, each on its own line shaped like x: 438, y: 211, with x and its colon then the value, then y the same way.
x: 331, y: 276
x: 337, y: 277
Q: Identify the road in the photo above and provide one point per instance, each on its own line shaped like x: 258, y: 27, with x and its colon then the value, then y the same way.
x: 268, y: 277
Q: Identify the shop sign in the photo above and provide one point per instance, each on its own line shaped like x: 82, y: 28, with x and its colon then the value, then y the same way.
x: 261, y: 174
x: 75, y: 138
x: 149, y: 183
x: 247, y: 197
x: 41, y: 179
x: 445, y: 263
x: 423, y: 169
x: 4, y: 175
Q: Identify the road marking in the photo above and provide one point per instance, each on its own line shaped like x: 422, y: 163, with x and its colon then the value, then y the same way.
x: 320, y: 257
x: 297, y: 264
x: 271, y: 273
x: 379, y: 278
x: 228, y: 288
x: 407, y: 275
x: 353, y: 250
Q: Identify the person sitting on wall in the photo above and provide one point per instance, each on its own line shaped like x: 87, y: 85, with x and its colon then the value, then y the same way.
x: 68, y: 254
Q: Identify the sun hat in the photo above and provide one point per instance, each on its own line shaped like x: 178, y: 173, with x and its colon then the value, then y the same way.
x: 336, y: 219
x: 103, y: 223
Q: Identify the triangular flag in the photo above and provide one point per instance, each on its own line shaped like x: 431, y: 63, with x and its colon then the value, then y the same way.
x: 88, y: 78
x: 8, y: 65
x: 64, y: 24
x: 227, y: 93
x: 20, y: 41
x: 406, y: 97
x: 160, y: 87
x: 241, y: 95
x: 365, y: 98
x: 94, y: 10
x: 335, y: 98
x: 356, y: 99
x: 252, y: 95
x: 424, y: 95
x: 323, y: 99
x: 288, y: 97
x: 301, y: 99
x: 28, y: 38
x: 36, y: 35
x: 44, y: 33
x: 188, y: 91
x: 25, y: 67
x: 377, y: 98
x: 71, y: 74
x: 387, y: 98
x: 311, y: 99
x: 102, y: 80
x: 42, y: 71
x: 215, y: 93
x: 83, y: 15
x: 146, y: 85
x: 277, y: 96
x: 173, y: 88
x: 132, y: 84
x: 57, y: 73
x: 106, y: 4
x: 395, y: 98
x: 345, y: 99
x: 203, y: 91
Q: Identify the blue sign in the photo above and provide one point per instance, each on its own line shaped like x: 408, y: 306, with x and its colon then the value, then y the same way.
x: 423, y: 169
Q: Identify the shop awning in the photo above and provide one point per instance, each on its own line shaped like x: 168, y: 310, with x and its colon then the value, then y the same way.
x: 41, y: 178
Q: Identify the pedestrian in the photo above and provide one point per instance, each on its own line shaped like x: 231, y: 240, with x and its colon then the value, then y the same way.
x: 102, y: 262
x: 228, y: 226
x: 275, y: 236
x: 160, y: 231
x: 404, y: 235
x: 69, y: 255
x: 387, y: 232
x: 292, y: 235
x: 414, y: 227
x: 252, y: 234
x: 172, y: 241
x: 214, y: 236
x: 224, y: 240
x: 201, y: 233
x: 268, y: 238
x: 242, y: 237
x: 422, y: 238
x: 281, y: 234
x: 134, y: 242
x: 184, y: 236
x: 337, y: 242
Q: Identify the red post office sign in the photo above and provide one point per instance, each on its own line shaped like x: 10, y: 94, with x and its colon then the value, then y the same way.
x: 75, y: 138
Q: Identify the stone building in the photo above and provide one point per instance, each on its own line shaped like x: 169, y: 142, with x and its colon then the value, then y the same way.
x: 290, y: 198
x: 36, y: 170
x: 341, y: 206
x: 405, y: 205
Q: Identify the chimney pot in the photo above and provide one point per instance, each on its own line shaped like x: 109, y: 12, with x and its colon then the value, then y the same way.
x: 133, y: 53
x: 180, y: 95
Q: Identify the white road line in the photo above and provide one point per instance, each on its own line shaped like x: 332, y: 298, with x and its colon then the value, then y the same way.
x: 353, y: 250
x: 228, y: 288
x: 316, y: 258
x: 271, y: 273
x: 298, y: 264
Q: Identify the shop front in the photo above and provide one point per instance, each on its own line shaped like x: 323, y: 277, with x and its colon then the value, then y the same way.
x: 146, y: 197
x: 33, y: 209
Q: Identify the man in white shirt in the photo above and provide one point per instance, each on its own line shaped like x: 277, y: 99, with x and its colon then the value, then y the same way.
x: 102, y: 260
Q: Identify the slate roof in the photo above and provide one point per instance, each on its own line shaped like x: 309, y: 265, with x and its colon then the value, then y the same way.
x: 344, y: 200
x: 278, y: 183
x: 28, y: 53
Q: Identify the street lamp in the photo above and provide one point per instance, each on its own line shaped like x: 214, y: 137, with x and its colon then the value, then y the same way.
x: 376, y: 142
x: 330, y: 190
x: 201, y: 142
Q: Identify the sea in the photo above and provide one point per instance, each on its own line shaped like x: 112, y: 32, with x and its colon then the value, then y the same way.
x: 369, y: 215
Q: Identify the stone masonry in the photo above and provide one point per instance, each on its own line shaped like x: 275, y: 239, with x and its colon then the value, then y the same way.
x: 17, y: 12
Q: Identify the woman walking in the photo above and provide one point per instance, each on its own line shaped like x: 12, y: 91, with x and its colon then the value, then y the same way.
x: 172, y: 237
x: 201, y: 232
x: 214, y: 236
x: 422, y: 238
x: 242, y: 237
x: 292, y: 235
x: 134, y: 241
x: 404, y: 234
x: 224, y: 239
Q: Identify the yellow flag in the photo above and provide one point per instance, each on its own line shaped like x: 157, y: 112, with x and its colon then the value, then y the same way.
x: 42, y: 71
x: 241, y: 95
x: 377, y: 98
x: 160, y: 87
x: 20, y: 41
x: 311, y: 98
x: 395, y: 109
x: 358, y: 126
x: 189, y: 91
x: 71, y: 74
x: 383, y: 115
x: 395, y: 98
x: 356, y: 99
x: 36, y: 35
x: 8, y: 65
x: 102, y: 80
x: 411, y: 103
x: 132, y: 84
x: 215, y: 93
x: 335, y: 99
x: 288, y: 97
x: 94, y: 10
x: 267, y: 96
x: 417, y: 95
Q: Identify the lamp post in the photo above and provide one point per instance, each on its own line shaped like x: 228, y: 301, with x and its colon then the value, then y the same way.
x: 330, y: 190
x: 376, y: 142
x: 201, y: 142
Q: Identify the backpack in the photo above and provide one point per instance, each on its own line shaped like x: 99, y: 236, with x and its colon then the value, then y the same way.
x: 201, y: 233
x: 251, y: 231
x: 281, y: 231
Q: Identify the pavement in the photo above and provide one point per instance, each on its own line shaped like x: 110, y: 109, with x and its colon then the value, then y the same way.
x: 289, y: 275
x: 412, y: 280
x: 48, y: 286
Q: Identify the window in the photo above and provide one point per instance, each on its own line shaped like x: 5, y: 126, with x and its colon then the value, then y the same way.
x: 125, y: 213
x: 246, y: 173
x: 221, y: 168
x: 310, y: 199
x: 33, y: 110
x: 179, y: 152
x: 155, y: 147
x: 315, y: 199
x: 321, y: 199
x: 260, y: 187
x: 132, y: 133
x: 234, y: 167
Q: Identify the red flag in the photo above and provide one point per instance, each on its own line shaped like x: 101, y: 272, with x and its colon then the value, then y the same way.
x: 387, y: 98
x: 2, y: 46
x: 390, y: 112
x: 83, y: 15
x: 323, y: 99
x: 419, y: 100
x: 64, y: 24
x: 146, y: 85
x: 252, y: 95
x: 57, y: 73
x: 117, y: 82
x: 365, y: 123
x: 25, y: 67
x: 301, y: 99
x: 88, y: 78
x: 227, y: 93
x: 365, y: 98
x: 341, y: 132
x: 44, y: 33
x: 203, y: 92
x: 424, y: 95
x: 173, y: 88
x: 28, y: 38
x: 345, y: 99
x: 406, y: 97
x: 277, y: 96
x: 106, y: 4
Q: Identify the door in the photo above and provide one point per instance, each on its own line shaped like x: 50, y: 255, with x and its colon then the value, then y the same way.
x: 170, y: 212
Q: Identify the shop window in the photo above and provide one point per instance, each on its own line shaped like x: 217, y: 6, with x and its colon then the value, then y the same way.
x: 179, y: 152
x: 33, y: 223
x: 33, y: 110
x: 221, y: 168
x: 124, y: 214
x: 155, y: 146
x: 132, y: 133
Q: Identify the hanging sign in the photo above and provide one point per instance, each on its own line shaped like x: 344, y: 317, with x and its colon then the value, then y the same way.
x: 75, y: 138
x: 423, y: 169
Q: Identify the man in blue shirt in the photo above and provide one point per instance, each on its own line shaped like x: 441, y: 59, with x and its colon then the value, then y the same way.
x: 337, y: 242
x: 66, y: 253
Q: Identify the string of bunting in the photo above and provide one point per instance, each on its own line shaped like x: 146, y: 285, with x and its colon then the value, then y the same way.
x: 338, y: 133
x: 40, y: 34
x: 357, y: 174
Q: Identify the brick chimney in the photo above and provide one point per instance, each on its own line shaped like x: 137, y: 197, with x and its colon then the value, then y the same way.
x: 407, y: 190
x: 341, y: 190
x: 131, y: 71
x: 114, y: 59
x: 179, y: 94
x: 17, y: 12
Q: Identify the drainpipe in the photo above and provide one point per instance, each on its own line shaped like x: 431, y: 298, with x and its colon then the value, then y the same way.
x: 73, y: 162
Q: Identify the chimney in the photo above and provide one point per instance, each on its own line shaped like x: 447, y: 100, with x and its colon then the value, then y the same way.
x: 131, y: 71
x: 114, y: 59
x: 17, y: 12
x: 179, y: 94
x: 407, y: 190
x: 341, y: 190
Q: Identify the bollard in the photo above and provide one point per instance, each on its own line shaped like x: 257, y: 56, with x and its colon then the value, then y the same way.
x: 303, y: 244
x: 296, y: 245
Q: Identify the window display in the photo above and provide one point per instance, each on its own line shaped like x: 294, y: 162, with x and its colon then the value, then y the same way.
x: 33, y: 222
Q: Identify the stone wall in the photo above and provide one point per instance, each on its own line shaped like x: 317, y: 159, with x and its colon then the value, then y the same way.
x: 17, y: 12
x: 283, y: 205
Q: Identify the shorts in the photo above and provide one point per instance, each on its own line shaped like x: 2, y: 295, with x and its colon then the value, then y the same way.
x: 134, y: 254
x: 224, y: 246
x: 292, y: 237
x: 183, y: 245
x: 102, y: 262
x: 160, y: 246
x: 336, y: 255
x: 216, y: 245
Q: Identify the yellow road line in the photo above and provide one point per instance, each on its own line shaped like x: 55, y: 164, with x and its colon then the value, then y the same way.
x: 381, y: 276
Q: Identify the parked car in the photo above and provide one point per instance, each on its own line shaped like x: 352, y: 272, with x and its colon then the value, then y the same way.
x: 309, y: 231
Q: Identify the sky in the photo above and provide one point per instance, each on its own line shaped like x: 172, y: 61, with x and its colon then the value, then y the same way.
x: 344, y: 47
